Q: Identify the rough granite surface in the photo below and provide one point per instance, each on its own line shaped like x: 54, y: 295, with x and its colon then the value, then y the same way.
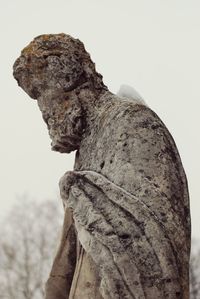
x: 126, y: 233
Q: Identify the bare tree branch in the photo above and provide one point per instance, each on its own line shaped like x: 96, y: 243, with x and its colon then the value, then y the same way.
x: 27, y: 247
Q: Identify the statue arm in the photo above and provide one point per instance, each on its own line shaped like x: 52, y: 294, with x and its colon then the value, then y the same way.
x: 122, y: 235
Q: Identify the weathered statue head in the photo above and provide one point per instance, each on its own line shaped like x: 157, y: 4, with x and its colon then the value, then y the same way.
x: 54, y: 69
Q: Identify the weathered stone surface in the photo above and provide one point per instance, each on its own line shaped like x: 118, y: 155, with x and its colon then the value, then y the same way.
x: 127, y: 198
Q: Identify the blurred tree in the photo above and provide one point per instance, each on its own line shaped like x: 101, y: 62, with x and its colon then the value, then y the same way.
x: 27, y: 245
x: 195, y: 271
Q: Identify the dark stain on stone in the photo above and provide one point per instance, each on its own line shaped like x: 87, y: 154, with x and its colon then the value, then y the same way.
x: 102, y: 164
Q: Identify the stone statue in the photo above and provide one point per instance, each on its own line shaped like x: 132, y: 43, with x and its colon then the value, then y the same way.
x: 126, y: 232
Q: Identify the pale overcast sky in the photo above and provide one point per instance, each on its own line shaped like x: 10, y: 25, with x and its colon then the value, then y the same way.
x: 153, y: 46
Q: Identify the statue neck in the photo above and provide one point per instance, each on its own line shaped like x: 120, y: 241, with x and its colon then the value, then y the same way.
x: 94, y: 103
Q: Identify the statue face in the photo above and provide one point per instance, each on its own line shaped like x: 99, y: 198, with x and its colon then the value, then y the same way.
x: 61, y: 110
x: 49, y: 70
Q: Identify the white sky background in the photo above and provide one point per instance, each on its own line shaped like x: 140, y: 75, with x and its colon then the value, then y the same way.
x: 152, y: 45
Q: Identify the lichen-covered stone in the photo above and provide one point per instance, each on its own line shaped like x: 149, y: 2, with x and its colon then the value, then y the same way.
x: 126, y: 232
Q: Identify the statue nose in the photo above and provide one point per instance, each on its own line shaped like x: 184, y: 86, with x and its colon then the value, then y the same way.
x: 16, y: 68
x: 19, y: 64
x: 20, y: 70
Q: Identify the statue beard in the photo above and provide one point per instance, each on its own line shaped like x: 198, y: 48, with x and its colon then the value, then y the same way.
x: 67, y: 128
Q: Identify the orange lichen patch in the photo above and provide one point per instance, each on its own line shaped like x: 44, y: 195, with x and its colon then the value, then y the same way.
x: 45, y: 36
x: 36, y: 46
x: 32, y: 48
x: 29, y: 49
x: 65, y: 104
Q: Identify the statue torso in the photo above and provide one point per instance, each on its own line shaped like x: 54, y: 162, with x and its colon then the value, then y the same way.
x: 131, y: 147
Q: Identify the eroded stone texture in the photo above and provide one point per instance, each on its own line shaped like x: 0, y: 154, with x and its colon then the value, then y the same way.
x: 126, y: 232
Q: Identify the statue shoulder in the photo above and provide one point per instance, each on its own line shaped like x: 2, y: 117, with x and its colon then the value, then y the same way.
x: 141, y: 145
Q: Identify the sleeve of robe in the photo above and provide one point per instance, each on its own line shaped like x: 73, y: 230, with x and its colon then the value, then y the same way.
x: 127, y: 241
